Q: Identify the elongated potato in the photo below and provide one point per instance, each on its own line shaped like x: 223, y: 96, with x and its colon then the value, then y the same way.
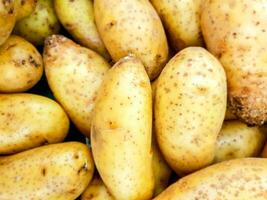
x: 121, y: 131
x: 28, y: 120
x: 189, y: 109
x: 52, y: 172
x: 74, y: 75
x: 132, y: 27
x: 25, y: 8
x: 237, y: 140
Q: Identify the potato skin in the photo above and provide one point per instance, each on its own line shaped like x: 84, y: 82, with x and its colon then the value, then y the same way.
x: 189, y: 109
x: 25, y: 8
x: 121, y: 131
x: 226, y: 27
x: 132, y: 27
x: 52, y: 172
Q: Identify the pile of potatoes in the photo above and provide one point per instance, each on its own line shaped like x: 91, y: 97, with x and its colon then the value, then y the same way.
x: 133, y: 99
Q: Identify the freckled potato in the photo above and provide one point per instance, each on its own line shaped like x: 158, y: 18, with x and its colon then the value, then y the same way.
x: 237, y: 140
x: 25, y: 8
x: 52, y: 172
x: 121, y: 131
x: 21, y: 65
x: 74, y: 75
x: 28, y: 120
x: 189, y: 109
x: 132, y: 27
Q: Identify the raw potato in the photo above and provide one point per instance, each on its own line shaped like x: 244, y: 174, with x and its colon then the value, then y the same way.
x: 264, y: 152
x: 52, y: 172
x: 132, y: 27
x: 74, y: 75
x: 21, y: 65
x: 25, y: 8
x: 121, y: 131
x: 189, y: 109
x: 237, y: 140
x: 235, y: 32
x: 181, y: 20
x: 28, y: 120
x: 240, y: 179
x: 40, y: 24
x: 229, y: 115
x: 78, y: 18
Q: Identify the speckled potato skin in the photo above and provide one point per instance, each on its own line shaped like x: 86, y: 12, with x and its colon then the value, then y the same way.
x: 181, y: 20
x: 134, y: 27
x: 237, y: 140
x: 21, y: 65
x: 189, y: 109
x: 25, y: 8
x: 227, y: 28
x: 52, y: 172
x: 74, y: 74
x: 28, y: 120
x: 121, y: 131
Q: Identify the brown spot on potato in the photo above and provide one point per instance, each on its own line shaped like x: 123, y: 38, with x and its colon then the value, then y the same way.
x: 112, y: 125
x: 82, y: 168
x: 43, y: 171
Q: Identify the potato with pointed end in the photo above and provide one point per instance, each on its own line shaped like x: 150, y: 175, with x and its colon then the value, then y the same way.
x: 25, y: 8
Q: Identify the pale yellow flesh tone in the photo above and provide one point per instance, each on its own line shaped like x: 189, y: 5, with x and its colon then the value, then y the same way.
x: 189, y: 109
x: 121, y: 131
x: 52, y: 172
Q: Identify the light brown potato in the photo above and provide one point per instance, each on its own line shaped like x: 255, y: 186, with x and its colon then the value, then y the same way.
x: 24, y: 8
x: 52, y: 172
x: 227, y: 28
x: 21, y: 65
x: 181, y: 20
x: 28, y: 120
x: 189, y: 109
x: 237, y: 140
x: 74, y: 74
x: 132, y: 27
x: 121, y: 131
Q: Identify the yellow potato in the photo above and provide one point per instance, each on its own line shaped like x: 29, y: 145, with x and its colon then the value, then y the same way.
x: 121, y: 131
x: 28, y: 120
x: 74, y: 75
x: 237, y: 140
x: 52, y: 172
x: 235, y: 32
x: 189, y: 109
x: 21, y: 65
x: 181, y: 20
x: 25, y: 8
x: 264, y: 152
x: 132, y: 27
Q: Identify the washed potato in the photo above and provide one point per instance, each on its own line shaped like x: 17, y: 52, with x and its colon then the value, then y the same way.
x: 24, y: 8
x: 240, y: 179
x: 181, y: 20
x: 189, y: 109
x: 40, y: 24
x: 235, y: 32
x: 121, y: 131
x: 237, y: 140
x: 52, y: 172
x: 21, y: 65
x: 74, y: 74
x: 28, y: 120
x: 132, y: 27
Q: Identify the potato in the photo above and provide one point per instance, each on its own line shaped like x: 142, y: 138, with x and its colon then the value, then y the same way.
x: 237, y: 140
x: 52, y: 172
x: 229, y: 114
x: 121, y: 131
x: 74, y: 75
x: 189, y: 109
x: 240, y: 179
x: 21, y: 65
x: 40, y: 24
x: 25, y: 8
x: 132, y: 27
x: 181, y: 20
x: 227, y: 28
x: 28, y: 120
x: 264, y: 152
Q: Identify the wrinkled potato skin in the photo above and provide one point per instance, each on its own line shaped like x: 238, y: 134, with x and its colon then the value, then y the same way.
x: 237, y: 140
x: 25, y: 8
x: 28, y: 121
x: 122, y: 145
x: 189, y: 109
x: 21, y: 65
x: 74, y: 75
x: 132, y: 27
x: 227, y: 28
x: 52, y: 172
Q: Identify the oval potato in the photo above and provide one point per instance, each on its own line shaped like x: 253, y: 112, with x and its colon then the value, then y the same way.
x: 25, y: 8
